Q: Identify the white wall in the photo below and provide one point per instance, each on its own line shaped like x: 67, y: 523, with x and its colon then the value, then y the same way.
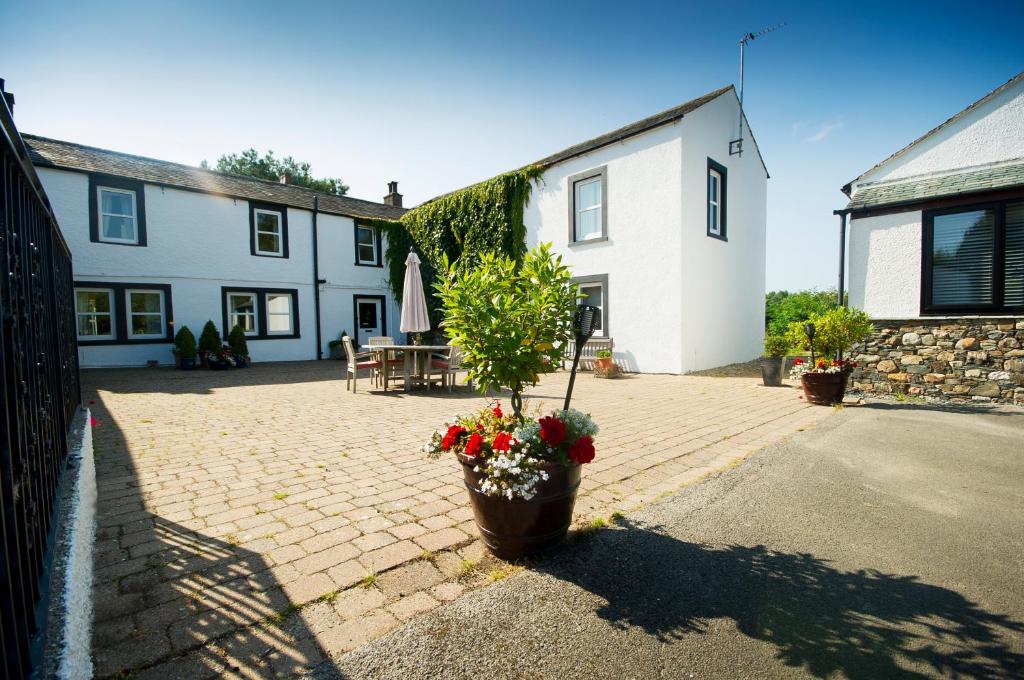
x: 642, y: 254
x: 885, y: 265
x: 723, y: 281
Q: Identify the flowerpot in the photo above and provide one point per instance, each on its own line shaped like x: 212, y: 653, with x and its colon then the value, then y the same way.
x: 824, y: 389
x: 512, y: 529
x: 219, y: 364
x: 337, y: 352
x: 204, y: 360
x: 241, y: 362
x: 603, y: 364
x: 771, y: 371
x: 187, y: 364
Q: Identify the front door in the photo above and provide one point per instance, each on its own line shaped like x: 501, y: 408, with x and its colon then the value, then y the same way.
x: 368, y: 319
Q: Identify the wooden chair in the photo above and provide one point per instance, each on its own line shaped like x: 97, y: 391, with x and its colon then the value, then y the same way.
x: 357, y: 361
x: 448, y: 366
x: 393, y: 370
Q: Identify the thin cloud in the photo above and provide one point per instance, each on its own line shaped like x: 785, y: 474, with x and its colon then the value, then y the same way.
x: 824, y: 130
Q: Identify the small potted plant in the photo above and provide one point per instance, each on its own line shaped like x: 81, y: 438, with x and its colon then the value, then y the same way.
x: 774, y: 361
x: 826, y: 336
x: 604, y: 365
x: 239, y: 347
x: 185, y: 349
x: 222, y: 359
x: 337, y: 347
x: 209, y: 343
x: 511, y: 321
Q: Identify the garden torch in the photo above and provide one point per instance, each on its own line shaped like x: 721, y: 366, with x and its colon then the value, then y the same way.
x: 809, y: 332
x: 584, y: 322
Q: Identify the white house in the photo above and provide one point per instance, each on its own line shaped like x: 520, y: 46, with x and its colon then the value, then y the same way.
x: 936, y: 257
x: 158, y: 245
x: 664, y: 229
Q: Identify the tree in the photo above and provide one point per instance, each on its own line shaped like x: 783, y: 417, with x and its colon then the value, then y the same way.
x: 250, y: 163
x: 783, y: 308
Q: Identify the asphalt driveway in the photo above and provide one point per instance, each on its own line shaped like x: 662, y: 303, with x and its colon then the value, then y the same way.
x: 886, y: 542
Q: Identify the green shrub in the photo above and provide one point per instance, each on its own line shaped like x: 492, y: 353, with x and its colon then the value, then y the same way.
x: 604, y: 354
x: 236, y: 341
x: 776, y: 345
x: 783, y: 308
x: 185, y: 342
x: 834, y: 331
x: 209, y: 339
x: 511, y: 321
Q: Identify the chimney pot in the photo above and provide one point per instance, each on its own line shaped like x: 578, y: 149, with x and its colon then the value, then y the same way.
x: 393, y: 198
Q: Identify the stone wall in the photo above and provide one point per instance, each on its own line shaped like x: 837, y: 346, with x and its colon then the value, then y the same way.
x: 965, y: 359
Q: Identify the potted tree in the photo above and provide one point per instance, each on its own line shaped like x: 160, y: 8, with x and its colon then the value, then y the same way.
x: 239, y: 347
x: 209, y: 344
x: 826, y: 336
x: 337, y: 347
x: 772, y: 364
x: 511, y: 321
x: 185, y: 349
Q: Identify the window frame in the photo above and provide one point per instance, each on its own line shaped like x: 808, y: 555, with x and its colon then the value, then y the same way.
x: 591, y: 280
x: 723, y: 199
x: 124, y: 185
x: 112, y: 314
x: 377, y: 245
x: 128, y: 292
x: 997, y: 305
x: 574, y: 180
x: 291, y: 313
x: 120, y: 310
x: 268, y: 208
x: 255, y: 312
x: 261, y: 311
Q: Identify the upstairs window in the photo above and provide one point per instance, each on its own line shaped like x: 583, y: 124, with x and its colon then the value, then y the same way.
x: 716, y: 199
x: 974, y: 259
x: 269, y: 224
x: 367, y: 246
x: 117, y: 212
x: 588, y: 219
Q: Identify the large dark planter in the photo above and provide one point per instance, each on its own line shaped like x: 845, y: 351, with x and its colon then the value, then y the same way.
x: 241, y: 362
x: 771, y: 371
x: 512, y: 529
x: 218, y: 364
x: 186, y: 364
x: 824, y: 389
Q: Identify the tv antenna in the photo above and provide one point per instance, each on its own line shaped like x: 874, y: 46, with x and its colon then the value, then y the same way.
x: 736, y: 145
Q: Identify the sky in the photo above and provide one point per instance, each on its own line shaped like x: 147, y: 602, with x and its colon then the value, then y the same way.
x: 438, y: 95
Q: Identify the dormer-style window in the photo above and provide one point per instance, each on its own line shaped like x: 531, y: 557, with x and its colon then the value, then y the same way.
x: 269, y: 224
x: 367, y: 246
x: 588, y: 206
x: 116, y: 211
x: 716, y: 199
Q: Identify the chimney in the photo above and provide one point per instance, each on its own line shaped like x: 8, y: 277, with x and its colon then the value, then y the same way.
x: 8, y: 97
x: 393, y: 198
x: 286, y: 178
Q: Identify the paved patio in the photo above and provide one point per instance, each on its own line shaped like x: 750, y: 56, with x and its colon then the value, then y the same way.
x: 260, y: 521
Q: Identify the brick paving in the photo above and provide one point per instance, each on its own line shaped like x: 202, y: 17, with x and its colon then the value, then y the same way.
x: 252, y: 523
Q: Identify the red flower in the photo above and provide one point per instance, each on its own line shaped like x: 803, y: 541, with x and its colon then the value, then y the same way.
x: 497, y: 410
x: 502, y: 442
x: 798, y: 362
x: 582, y: 450
x: 552, y: 430
x: 451, y: 437
x: 473, y: 445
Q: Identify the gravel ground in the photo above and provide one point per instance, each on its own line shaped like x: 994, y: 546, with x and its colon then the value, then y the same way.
x: 747, y: 369
x: 884, y: 543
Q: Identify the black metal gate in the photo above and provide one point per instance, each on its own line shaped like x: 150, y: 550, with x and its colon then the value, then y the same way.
x: 39, y: 389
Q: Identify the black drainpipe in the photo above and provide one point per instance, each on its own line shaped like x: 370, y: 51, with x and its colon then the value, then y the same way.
x: 842, y: 256
x: 316, y: 282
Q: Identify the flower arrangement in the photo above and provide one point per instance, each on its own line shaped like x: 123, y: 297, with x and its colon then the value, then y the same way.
x: 800, y: 367
x: 512, y: 454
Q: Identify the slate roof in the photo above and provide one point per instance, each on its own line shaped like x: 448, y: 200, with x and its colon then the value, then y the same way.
x: 46, y: 152
x: 1002, y: 176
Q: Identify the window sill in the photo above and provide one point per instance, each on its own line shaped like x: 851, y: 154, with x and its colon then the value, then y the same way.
x: 120, y: 243
x: 289, y: 336
x: 718, y: 237
x: 585, y: 242
x: 116, y: 341
x: 378, y: 265
x: 276, y: 257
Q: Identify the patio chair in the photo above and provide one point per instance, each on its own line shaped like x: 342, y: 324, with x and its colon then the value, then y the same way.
x: 448, y: 366
x: 394, y: 369
x: 357, y: 361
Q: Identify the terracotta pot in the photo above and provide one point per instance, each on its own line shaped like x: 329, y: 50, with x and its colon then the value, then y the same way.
x: 603, y: 364
x: 771, y: 371
x: 824, y: 389
x: 512, y: 529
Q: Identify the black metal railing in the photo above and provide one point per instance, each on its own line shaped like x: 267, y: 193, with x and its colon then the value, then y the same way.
x: 39, y: 389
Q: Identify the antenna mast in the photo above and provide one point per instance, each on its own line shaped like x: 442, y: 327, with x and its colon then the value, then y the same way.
x: 736, y: 145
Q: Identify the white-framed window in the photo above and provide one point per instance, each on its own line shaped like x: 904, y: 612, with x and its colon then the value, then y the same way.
x: 280, y: 318
x: 94, y: 308
x: 242, y: 312
x: 366, y: 246
x: 118, y: 215
x: 593, y: 293
x: 588, y: 209
x: 717, y: 197
x: 269, y: 237
x: 147, y: 317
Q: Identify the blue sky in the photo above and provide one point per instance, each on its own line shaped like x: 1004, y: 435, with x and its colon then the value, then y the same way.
x: 439, y: 95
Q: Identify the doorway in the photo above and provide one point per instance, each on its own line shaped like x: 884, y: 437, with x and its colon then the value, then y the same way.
x: 369, y: 317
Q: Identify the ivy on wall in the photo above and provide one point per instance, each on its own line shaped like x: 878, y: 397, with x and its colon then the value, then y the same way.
x: 484, y: 217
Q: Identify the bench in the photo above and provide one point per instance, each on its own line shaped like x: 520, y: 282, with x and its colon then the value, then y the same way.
x: 589, y: 353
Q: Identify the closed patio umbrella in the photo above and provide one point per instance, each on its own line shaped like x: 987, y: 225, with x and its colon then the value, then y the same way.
x: 414, y: 303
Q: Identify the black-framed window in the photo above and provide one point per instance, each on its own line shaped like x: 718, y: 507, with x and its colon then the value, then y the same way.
x: 123, y: 313
x: 973, y: 259
x: 593, y: 290
x: 718, y: 184
x: 117, y: 210
x: 588, y: 206
x: 263, y: 313
x: 368, y: 246
x: 268, y: 230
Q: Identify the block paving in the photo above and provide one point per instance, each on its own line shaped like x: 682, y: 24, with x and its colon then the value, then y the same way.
x: 256, y: 522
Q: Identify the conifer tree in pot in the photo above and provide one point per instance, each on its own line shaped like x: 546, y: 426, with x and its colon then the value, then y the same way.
x: 239, y: 346
x: 185, y: 348
x: 775, y: 349
x: 209, y: 344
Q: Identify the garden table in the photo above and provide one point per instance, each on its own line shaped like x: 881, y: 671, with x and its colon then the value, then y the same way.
x: 416, y: 359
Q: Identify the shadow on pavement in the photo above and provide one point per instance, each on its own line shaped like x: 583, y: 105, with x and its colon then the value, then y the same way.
x: 864, y: 623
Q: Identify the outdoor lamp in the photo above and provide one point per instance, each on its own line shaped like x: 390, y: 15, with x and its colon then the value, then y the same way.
x: 584, y: 322
x: 809, y: 332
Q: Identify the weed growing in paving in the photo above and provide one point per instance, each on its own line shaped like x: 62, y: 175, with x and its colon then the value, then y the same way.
x: 280, y: 496
x: 368, y: 581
